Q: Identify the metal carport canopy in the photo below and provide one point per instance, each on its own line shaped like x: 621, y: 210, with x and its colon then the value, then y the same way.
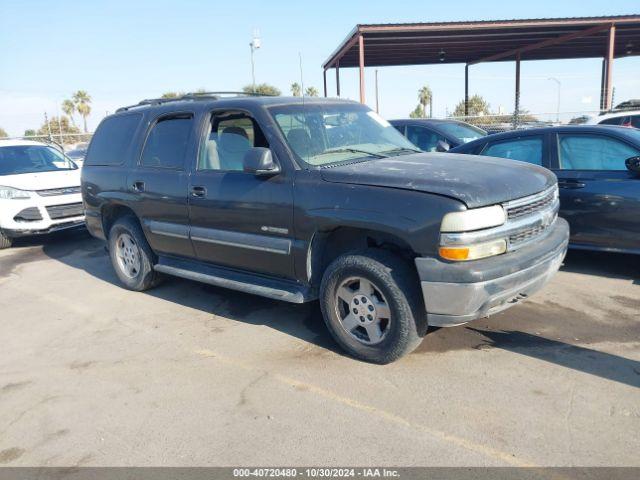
x: 377, y: 45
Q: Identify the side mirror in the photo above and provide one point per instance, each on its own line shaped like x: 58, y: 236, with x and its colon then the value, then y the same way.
x: 633, y: 164
x: 442, y: 146
x: 259, y: 161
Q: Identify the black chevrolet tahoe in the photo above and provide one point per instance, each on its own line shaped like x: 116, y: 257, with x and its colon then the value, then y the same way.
x: 300, y: 199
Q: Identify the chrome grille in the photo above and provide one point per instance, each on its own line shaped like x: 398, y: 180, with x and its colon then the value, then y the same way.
x: 52, y: 192
x: 527, y: 206
x: 525, y: 235
x: 65, y: 211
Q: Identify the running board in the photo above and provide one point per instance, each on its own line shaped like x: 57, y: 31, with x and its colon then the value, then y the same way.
x: 245, y: 282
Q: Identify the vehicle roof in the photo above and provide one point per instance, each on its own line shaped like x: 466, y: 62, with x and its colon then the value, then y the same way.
x: 427, y: 121
x: 622, y: 113
x: 615, y: 130
x: 14, y: 142
x: 240, y: 101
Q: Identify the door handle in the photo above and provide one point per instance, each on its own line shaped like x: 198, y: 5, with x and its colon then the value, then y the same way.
x: 198, y: 192
x: 138, y: 186
x: 570, y: 184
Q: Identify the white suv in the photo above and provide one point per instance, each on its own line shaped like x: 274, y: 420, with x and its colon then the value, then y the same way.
x: 39, y: 190
x: 625, y: 118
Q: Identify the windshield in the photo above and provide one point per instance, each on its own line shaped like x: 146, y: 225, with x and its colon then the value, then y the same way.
x: 464, y: 133
x: 20, y: 159
x: 323, y: 134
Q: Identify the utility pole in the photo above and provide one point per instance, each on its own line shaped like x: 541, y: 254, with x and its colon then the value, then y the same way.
x: 46, y: 121
x: 254, y: 45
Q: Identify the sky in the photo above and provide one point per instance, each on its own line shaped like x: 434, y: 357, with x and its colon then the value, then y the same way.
x: 122, y: 51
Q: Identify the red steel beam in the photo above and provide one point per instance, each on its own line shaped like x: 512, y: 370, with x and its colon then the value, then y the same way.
x: 361, y: 61
x: 609, y: 80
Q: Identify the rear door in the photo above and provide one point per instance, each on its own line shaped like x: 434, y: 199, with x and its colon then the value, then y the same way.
x: 160, y: 183
x: 240, y: 220
x: 598, y: 195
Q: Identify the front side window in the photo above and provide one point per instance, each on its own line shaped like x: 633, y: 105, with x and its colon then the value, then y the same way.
x: 593, y: 152
x: 323, y: 134
x: 424, y: 138
x: 464, y: 133
x: 527, y: 149
x: 19, y: 159
x: 230, y: 136
x: 167, y: 143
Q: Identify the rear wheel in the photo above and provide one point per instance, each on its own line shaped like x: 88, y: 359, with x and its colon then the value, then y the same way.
x: 131, y: 255
x: 372, y: 306
x: 5, y: 242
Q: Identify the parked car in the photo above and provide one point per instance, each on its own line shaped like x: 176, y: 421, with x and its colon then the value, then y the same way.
x: 77, y: 155
x: 39, y: 190
x: 625, y: 118
x: 302, y: 199
x: 431, y: 135
x: 597, y: 174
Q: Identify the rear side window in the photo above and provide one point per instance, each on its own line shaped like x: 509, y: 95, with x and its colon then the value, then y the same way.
x: 112, y: 139
x: 167, y: 142
x: 527, y: 149
x: 423, y: 138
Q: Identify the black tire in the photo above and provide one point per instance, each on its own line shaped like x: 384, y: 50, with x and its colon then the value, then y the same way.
x: 397, y: 281
x: 5, y: 242
x: 145, y: 277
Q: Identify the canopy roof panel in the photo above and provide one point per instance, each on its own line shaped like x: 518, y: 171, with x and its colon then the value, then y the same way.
x: 484, y: 41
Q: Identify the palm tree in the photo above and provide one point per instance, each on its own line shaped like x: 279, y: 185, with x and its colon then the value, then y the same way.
x: 82, y: 101
x: 69, y: 108
x: 425, y: 97
x: 311, y: 92
x: 296, y: 89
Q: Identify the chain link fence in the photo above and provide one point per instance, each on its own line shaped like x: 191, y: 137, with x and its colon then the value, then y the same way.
x: 495, y: 123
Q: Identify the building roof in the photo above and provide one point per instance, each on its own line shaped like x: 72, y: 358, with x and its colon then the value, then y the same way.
x: 491, y: 40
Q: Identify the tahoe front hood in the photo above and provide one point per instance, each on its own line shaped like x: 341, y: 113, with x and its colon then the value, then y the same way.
x: 475, y: 180
x: 42, y: 180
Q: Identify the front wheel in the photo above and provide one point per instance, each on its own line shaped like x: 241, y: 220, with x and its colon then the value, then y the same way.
x: 372, y: 306
x: 5, y: 242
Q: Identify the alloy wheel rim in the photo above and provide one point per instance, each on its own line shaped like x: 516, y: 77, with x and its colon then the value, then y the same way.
x: 363, y: 310
x: 128, y: 255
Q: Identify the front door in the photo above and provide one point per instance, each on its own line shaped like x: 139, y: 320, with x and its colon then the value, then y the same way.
x: 599, y: 197
x: 239, y: 220
x: 160, y: 184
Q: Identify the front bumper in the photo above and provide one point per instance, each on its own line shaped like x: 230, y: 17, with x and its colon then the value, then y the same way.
x: 456, y: 293
x: 58, y: 227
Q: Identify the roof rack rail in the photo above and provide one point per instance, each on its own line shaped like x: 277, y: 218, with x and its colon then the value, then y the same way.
x: 189, y: 96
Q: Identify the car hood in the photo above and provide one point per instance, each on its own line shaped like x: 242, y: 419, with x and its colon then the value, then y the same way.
x: 475, y: 180
x: 42, y: 180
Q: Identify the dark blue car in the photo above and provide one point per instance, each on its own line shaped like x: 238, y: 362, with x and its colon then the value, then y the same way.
x: 434, y: 135
x: 598, y: 170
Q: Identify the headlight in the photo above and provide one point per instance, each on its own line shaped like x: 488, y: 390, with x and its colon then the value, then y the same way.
x: 474, y: 219
x: 8, y: 193
x: 474, y: 252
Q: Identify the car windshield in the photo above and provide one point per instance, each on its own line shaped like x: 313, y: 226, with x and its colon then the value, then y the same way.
x: 18, y: 159
x: 324, y: 134
x: 464, y: 133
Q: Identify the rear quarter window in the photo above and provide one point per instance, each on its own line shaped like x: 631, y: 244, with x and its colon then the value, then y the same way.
x: 112, y: 139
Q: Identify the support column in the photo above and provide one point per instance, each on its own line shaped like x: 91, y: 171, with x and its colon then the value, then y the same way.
x: 338, y: 79
x: 324, y: 80
x: 602, y: 83
x: 609, y: 81
x: 516, y: 111
x: 361, y: 55
x: 466, y: 90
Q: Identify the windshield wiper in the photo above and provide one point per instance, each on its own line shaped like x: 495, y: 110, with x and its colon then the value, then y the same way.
x: 403, y: 149
x: 353, y: 150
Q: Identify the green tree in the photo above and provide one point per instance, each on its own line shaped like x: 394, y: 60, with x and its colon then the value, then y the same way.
x: 30, y: 132
x: 69, y: 108
x: 418, y: 112
x: 311, y: 92
x: 262, y: 89
x: 82, y: 101
x: 477, y: 106
x: 296, y: 89
x: 171, y: 94
x: 56, y: 126
x: 3, y: 133
x: 425, y: 98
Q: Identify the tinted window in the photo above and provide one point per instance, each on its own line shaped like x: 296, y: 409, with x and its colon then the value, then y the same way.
x: 612, y: 121
x: 593, y: 152
x: 167, y: 143
x: 527, y: 149
x: 423, y: 138
x: 112, y: 139
x: 635, y: 121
